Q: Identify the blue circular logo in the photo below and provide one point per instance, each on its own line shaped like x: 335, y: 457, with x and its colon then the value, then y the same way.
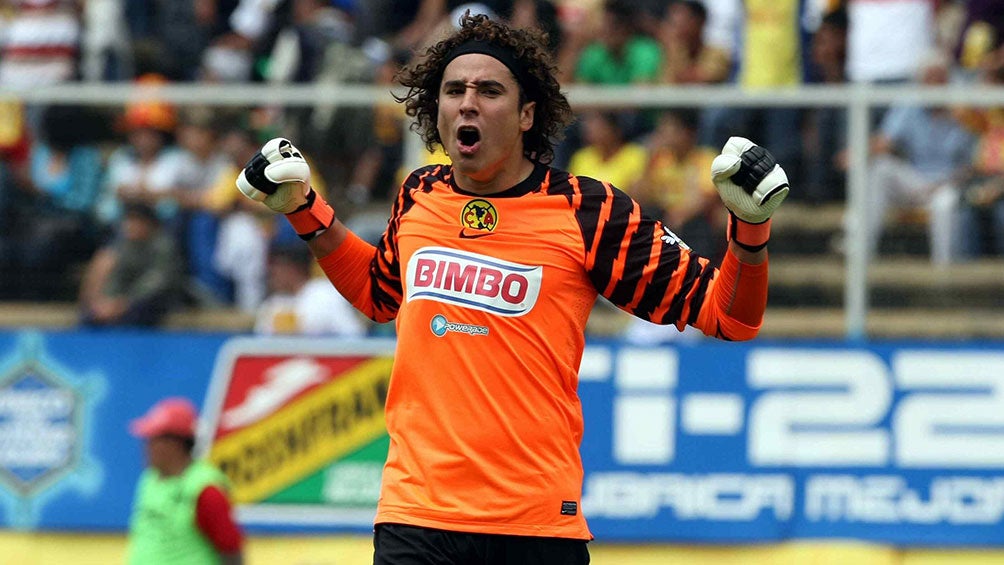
x: 438, y: 325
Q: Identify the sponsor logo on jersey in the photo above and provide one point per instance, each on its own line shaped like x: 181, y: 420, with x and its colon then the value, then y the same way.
x: 473, y: 280
x: 441, y: 326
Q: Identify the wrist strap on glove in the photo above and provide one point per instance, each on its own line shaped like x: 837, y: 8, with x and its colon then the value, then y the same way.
x: 312, y: 218
x: 751, y: 237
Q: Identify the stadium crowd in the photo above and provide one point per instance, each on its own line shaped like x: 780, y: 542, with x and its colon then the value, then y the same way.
x: 132, y: 211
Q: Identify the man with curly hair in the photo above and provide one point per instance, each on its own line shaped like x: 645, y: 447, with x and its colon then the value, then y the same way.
x: 490, y: 267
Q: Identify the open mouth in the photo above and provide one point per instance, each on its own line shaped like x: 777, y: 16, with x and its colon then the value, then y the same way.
x: 468, y: 138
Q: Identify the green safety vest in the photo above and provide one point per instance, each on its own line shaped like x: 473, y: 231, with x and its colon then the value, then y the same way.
x: 162, y: 530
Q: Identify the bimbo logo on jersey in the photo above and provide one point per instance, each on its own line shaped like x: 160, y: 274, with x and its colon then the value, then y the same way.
x: 473, y: 280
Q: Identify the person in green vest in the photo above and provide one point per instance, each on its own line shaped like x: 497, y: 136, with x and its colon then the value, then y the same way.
x: 181, y: 511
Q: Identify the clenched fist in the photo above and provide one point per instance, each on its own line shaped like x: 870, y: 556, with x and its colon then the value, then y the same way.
x: 278, y: 176
x: 750, y: 182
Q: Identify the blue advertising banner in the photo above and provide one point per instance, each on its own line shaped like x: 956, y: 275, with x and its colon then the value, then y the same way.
x: 67, y: 461
x: 899, y: 443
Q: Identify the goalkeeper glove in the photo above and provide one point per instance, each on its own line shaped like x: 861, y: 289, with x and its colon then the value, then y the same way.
x: 752, y: 185
x: 279, y: 177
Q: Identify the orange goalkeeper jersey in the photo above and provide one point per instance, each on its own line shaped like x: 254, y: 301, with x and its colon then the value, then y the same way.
x: 491, y: 295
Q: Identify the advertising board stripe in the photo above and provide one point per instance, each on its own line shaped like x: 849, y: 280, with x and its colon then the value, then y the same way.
x: 306, y: 434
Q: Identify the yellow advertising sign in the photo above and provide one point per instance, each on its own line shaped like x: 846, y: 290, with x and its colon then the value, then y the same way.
x: 306, y: 434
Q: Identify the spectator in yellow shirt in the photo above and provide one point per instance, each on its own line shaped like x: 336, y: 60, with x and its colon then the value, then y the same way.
x: 675, y: 187
x: 607, y: 154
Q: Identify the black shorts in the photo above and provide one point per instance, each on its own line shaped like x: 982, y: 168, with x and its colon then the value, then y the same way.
x: 397, y: 544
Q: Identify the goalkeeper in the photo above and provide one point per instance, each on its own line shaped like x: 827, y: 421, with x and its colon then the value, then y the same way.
x: 490, y: 267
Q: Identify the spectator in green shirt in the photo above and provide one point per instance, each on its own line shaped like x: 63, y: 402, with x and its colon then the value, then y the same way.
x: 621, y: 54
x: 135, y: 280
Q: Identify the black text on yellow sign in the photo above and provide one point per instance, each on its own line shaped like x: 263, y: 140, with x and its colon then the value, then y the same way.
x: 304, y: 436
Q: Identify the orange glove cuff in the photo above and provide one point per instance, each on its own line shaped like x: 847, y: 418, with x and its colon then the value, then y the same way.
x: 751, y: 237
x: 311, y: 219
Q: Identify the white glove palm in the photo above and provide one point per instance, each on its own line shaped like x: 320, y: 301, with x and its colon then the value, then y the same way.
x: 750, y: 182
x: 278, y: 176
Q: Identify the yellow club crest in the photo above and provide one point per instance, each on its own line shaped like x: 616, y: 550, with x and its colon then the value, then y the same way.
x: 479, y: 215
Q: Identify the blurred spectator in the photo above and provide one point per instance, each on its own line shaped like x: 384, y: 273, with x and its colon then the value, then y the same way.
x: 301, y: 304
x: 607, y: 154
x: 981, y: 34
x: 299, y: 53
x: 223, y: 63
x: 618, y: 54
x: 887, y: 41
x: 106, y: 50
x: 774, y: 38
x: 676, y: 187
x: 241, y: 244
x: 200, y: 164
x: 375, y: 174
x: 240, y: 250
x: 106, y: 45
x: 39, y: 43
x: 54, y: 229
x: 918, y: 156
x: 286, y: 41
x: 689, y: 60
x: 15, y: 151
x: 148, y: 167
x: 176, y: 33
x: 537, y: 13
x: 983, y: 191
x: 396, y: 24
x: 825, y: 172
x: 135, y: 280
x: 181, y: 510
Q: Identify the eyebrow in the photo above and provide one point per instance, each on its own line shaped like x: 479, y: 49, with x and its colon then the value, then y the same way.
x: 476, y: 83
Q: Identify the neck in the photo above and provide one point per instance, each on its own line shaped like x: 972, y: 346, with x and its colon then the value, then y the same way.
x: 680, y: 152
x: 500, y: 177
x: 608, y: 150
x: 176, y: 467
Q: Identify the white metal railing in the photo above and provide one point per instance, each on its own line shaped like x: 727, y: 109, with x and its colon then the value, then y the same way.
x: 857, y: 99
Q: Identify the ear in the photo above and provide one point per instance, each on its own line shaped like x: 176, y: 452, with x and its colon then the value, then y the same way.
x: 526, y: 116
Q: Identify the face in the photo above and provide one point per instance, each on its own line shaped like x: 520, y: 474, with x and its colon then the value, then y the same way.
x: 682, y: 24
x: 136, y: 228
x: 614, y: 33
x: 828, y: 45
x: 935, y: 75
x: 481, y: 122
x: 161, y: 452
x: 284, y: 276
x: 597, y: 130
x: 147, y: 142
x: 238, y: 148
x: 198, y: 140
x: 674, y: 135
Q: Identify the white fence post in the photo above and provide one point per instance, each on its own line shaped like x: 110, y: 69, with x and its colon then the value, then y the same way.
x: 856, y: 234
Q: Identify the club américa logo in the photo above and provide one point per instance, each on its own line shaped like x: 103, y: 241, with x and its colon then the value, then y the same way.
x: 441, y: 326
x: 479, y: 215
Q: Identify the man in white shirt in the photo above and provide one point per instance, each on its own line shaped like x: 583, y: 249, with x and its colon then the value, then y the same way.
x: 301, y: 304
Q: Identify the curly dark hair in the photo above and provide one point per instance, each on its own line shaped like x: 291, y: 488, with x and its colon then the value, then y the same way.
x: 552, y: 114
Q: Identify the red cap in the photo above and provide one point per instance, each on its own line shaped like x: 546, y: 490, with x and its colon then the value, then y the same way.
x: 174, y: 416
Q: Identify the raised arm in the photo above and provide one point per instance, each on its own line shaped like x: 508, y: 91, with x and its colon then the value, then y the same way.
x: 367, y: 276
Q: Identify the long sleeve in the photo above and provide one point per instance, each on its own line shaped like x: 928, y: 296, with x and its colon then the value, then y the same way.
x: 370, y: 277
x: 215, y: 520
x: 643, y: 268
